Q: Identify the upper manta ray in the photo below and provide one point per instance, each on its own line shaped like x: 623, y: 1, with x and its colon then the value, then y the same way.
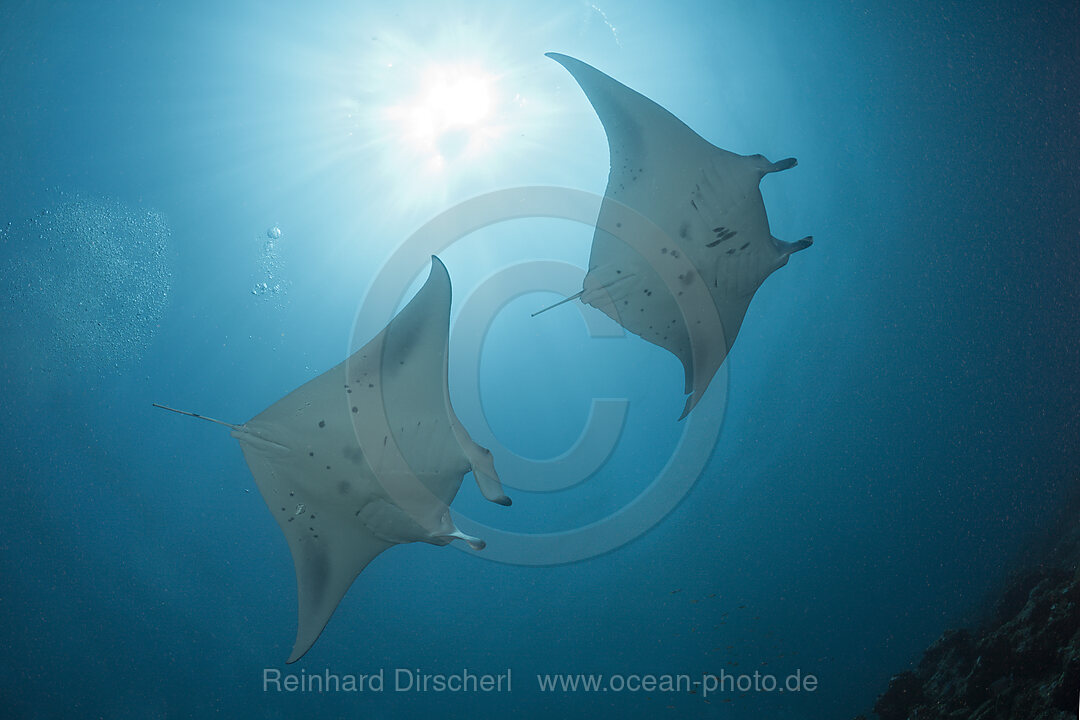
x: 365, y: 456
x: 678, y: 213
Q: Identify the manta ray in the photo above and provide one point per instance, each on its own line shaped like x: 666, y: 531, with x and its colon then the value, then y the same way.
x: 678, y: 213
x: 365, y: 456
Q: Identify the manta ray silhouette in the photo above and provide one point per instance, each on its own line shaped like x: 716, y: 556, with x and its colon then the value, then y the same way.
x: 367, y: 455
x: 707, y: 203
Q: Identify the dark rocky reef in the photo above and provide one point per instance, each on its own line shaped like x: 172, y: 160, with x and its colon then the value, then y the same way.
x: 1022, y: 663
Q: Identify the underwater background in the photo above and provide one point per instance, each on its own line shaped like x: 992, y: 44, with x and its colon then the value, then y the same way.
x: 195, y: 198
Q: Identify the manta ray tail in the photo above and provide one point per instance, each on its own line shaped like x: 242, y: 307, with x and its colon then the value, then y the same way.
x: 197, y: 415
x: 575, y: 296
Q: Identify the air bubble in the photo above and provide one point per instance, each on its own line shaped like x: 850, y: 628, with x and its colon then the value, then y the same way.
x: 101, y: 256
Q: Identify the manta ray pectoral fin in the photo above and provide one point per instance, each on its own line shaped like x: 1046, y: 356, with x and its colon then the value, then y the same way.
x: 708, y: 353
x: 324, y: 572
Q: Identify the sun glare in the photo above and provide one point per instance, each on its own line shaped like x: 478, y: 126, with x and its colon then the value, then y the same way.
x: 450, y: 116
x: 437, y: 117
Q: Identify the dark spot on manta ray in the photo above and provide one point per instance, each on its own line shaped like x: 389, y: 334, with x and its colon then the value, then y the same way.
x: 723, y: 236
x: 310, y: 454
x: 731, y: 251
x: 663, y: 251
x: 291, y: 493
x: 312, y: 517
x: 291, y: 519
x: 371, y: 384
x: 327, y: 467
x: 322, y: 423
x: 355, y: 409
x: 618, y: 225
x: 745, y: 245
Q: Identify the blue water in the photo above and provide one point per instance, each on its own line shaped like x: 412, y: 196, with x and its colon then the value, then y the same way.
x: 899, y: 413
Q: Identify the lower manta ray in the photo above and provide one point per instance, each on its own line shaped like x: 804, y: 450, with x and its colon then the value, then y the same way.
x: 367, y: 455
